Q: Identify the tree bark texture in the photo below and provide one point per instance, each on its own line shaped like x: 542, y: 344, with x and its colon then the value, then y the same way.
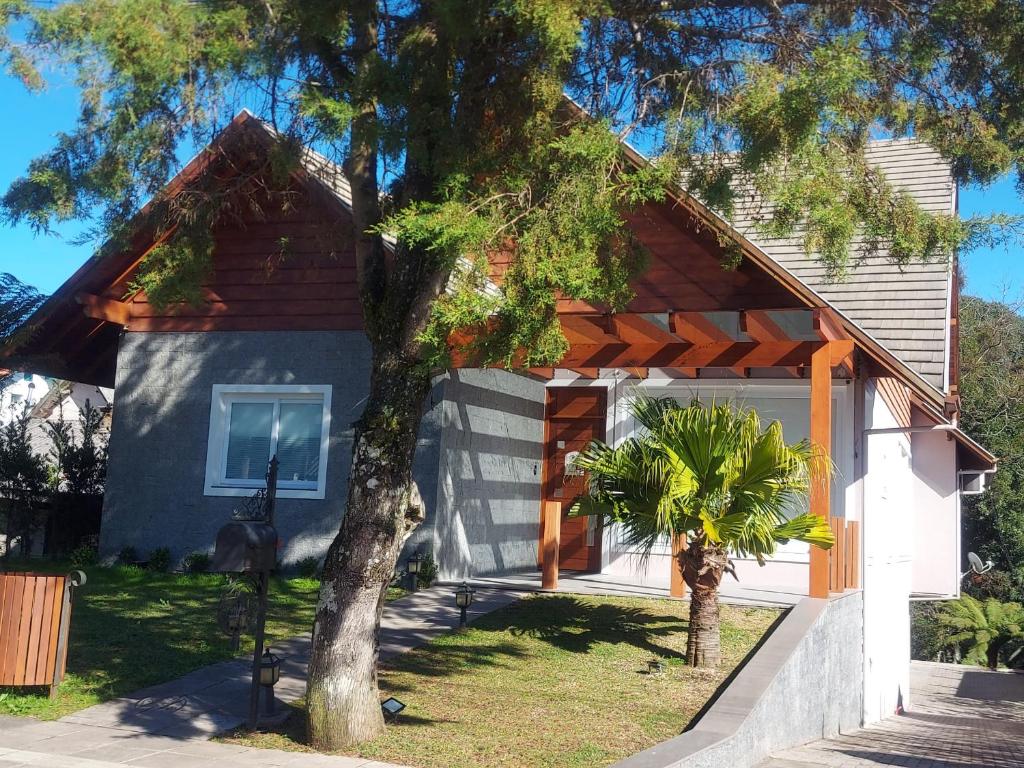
x: 383, y: 507
x: 703, y: 564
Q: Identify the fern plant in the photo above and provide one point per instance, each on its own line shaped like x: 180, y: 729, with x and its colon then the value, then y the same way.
x: 984, y: 628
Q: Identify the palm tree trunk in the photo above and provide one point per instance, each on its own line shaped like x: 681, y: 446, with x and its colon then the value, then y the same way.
x: 703, y: 564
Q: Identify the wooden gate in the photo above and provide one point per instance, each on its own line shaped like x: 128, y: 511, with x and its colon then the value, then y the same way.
x: 35, y: 615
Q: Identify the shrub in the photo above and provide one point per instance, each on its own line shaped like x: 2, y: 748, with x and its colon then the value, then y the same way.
x: 428, y: 571
x: 308, y: 567
x: 83, y: 556
x: 128, y: 556
x: 160, y: 559
x: 197, y: 562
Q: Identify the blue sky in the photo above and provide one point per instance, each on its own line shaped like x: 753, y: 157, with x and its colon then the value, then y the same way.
x: 32, y: 120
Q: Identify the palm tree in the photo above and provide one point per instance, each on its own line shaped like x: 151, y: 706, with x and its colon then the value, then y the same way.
x: 985, y: 627
x: 713, y: 475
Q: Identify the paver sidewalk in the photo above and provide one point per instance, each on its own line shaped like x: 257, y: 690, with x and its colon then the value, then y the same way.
x: 169, y: 724
x: 960, y: 717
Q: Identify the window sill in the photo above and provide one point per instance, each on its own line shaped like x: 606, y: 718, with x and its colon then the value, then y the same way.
x: 282, y: 493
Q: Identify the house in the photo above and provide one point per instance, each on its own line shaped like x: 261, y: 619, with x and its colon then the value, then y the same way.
x: 275, y: 362
x: 66, y: 401
x: 19, y: 395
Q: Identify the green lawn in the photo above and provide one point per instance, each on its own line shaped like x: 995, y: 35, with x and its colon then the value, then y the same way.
x: 554, y: 680
x: 132, y: 628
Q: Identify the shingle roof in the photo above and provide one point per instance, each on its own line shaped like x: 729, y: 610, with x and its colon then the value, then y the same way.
x: 905, y: 308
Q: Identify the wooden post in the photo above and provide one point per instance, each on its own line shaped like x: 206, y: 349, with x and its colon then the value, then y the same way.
x: 549, y: 545
x: 677, y: 587
x: 821, y: 436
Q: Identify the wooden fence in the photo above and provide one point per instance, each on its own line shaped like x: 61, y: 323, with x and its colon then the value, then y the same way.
x: 844, y: 557
x: 35, y: 615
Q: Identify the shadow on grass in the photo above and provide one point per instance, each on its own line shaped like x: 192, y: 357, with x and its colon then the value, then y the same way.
x: 449, y: 658
x: 575, y: 625
x: 131, y: 628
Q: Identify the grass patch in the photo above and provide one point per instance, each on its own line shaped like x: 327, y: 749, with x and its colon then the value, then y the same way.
x: 553, y: 680
x: 132, y: 628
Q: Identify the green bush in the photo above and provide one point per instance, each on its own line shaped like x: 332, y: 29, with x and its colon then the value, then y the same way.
x: 83, y: 556
x: 308, y: 567
x: 197, y: 562
x: 428, y: 571
x: 128, y: 556
x: 160, y: 559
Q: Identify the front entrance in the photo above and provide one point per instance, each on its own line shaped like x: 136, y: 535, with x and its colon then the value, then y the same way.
x: 574, y: 416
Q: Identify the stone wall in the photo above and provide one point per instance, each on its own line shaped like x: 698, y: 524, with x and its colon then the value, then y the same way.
x: 805, y: 682
x: 160, y: 430
x: 488, y: 495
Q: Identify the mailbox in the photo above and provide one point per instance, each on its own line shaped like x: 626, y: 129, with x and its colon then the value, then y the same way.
x: 245, y: 547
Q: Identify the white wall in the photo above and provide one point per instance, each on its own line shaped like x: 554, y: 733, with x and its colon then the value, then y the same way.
x: 936, y: 565
x: 21, y: 391
x: 888, y: 536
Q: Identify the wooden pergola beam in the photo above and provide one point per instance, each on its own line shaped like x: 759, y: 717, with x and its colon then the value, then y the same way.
x: 696, y: 328
x: 102, y: 308
x: 760, y: 326
x: 721, y: 354
x: 828, y: 325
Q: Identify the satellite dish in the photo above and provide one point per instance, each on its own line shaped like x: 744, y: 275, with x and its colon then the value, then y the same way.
x: 977, y: 567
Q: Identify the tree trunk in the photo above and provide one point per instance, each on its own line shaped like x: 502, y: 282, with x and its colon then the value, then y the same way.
x: 383, y: 507
x: 992, y: 653
x: 703, y: 564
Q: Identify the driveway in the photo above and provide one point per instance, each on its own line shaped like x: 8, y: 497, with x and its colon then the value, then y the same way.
x: 959, y: 716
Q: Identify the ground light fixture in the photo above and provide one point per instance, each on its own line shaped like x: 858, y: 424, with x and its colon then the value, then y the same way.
x: 463, y: 599
x: 655, y: 667
x: 270, y: 673
x: 412, y: 567
x: 391, y: 707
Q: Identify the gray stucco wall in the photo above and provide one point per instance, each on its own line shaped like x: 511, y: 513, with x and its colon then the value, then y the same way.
x: 154, y: 495
x: 806, y: 682
x: 488, y: 494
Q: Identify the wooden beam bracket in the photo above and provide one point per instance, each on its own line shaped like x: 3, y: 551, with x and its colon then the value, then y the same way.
x: 102, y: 308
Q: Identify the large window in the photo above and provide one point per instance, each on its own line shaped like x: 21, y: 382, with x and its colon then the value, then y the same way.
x: 249, y: 424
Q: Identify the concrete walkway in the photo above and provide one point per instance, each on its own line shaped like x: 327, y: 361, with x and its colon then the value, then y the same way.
x: 169, y: 724
x: 959, y: 716
x: 732, y: 592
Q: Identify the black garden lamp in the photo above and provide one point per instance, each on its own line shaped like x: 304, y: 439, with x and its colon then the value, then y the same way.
x: 463, y: 599
x: 270, y: 673
x: 412, y: 567
x: 391, y: 707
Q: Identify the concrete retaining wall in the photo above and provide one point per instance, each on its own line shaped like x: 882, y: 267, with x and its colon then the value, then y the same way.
x: 804, y: 683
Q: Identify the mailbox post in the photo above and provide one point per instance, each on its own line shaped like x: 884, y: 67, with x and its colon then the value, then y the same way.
x: 248, y: 545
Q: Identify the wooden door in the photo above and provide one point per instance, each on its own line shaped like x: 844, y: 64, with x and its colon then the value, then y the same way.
x: 575, y: 416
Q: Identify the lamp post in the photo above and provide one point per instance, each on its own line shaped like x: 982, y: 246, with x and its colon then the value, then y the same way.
x: 412, y: 567
x: 463, y: 599
x: 270, y: 673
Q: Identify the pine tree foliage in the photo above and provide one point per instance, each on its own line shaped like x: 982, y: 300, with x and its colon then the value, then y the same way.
x: 452, y: 112
x: 992, y: 401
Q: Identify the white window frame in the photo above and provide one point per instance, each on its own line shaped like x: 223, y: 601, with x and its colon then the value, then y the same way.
x: 217, y: 445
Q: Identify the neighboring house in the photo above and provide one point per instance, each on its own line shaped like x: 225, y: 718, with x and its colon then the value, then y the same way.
x: 276, y: 362
x: 19, y: 395
x: 65, y: 400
